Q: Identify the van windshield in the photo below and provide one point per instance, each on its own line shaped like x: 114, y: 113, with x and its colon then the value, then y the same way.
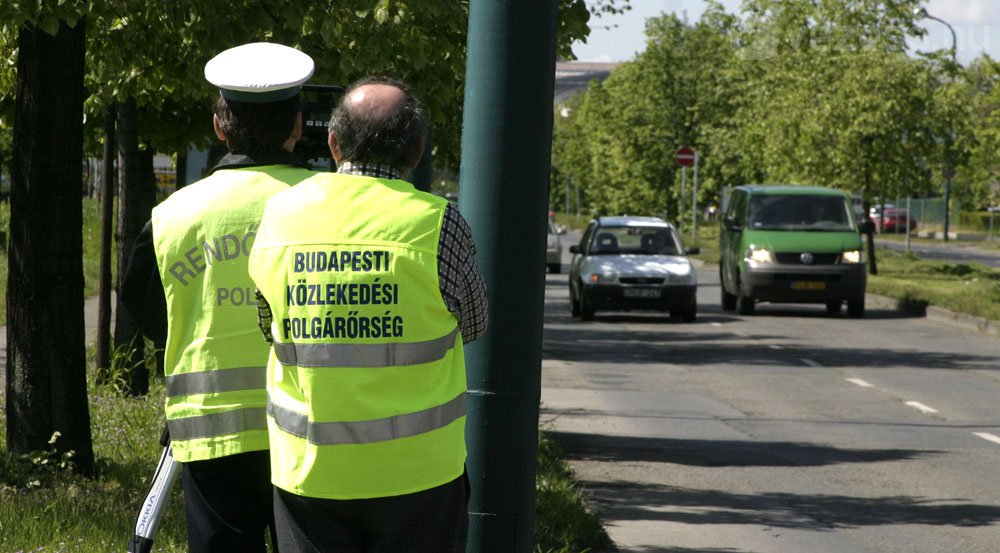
x: 800, y: 212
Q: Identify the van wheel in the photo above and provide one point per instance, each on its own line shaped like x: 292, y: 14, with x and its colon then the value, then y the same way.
x: 744, y: 304
x: 833, y: 307
x: 574, y: 304
x: 728, y: 300
x: 856, y: 308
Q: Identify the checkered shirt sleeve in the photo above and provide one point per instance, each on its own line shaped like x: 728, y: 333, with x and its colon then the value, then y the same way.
x: 462, y: 285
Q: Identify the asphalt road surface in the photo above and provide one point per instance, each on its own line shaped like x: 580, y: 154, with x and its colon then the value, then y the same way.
x: 785, y: 432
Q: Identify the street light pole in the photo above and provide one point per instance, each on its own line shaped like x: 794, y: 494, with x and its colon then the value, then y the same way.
x: 921, y: 13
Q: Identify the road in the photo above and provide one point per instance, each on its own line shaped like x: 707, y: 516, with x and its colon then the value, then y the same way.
x: 785, y: 432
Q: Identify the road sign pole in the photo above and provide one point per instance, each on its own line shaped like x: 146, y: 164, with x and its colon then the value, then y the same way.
x: 680, y: 211
x: 694, y: 203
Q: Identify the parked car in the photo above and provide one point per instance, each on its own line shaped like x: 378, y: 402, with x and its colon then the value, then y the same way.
x: 553, y: 248
x: 894, y: 220
x: 791, y: 244
x: 625, y: 263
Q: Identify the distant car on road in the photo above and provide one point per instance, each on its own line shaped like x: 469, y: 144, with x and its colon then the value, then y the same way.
x: 625, y: 263
x: 553, y: 248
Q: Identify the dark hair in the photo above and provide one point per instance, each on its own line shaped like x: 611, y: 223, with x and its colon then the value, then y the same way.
x: 256, y: 129
x: 395, y: 139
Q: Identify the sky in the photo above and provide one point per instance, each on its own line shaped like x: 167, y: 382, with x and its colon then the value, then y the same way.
x: 976, y: 24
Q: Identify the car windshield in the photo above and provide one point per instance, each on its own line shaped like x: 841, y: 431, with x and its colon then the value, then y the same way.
x: 636, y: 240
x: 800, y: 212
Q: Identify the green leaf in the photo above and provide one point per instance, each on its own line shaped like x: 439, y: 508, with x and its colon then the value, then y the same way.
x: 381, y: 15
x: 49, y: 24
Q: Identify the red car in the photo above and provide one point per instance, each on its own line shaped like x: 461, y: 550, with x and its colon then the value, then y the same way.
x: 894, y: 220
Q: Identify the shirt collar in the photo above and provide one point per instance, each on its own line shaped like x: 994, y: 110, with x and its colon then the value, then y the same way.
x: 376, y: 170
x: 278, y: 157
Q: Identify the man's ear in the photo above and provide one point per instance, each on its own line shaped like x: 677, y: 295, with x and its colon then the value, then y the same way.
x: 218, y: 130
x: 331, y: 141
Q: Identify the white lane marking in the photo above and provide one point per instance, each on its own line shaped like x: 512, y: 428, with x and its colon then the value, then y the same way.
x: 921, y: 407
x: 988, y: 437
x: 810, y: 362
x: 716, y: 324
x: 860, y: 382
x: 774, y: 346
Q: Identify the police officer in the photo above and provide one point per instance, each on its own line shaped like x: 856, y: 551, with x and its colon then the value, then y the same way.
x: 187, y: 286
x: 374, y: 289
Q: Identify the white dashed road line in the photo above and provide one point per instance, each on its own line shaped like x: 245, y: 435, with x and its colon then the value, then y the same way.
x: 921, y: 407
x: 988, y: 437
x: 860, y: 382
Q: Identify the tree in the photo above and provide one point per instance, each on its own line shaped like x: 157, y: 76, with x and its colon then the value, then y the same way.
x: 46, y: 358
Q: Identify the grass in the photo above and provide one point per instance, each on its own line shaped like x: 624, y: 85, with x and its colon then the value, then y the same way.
x: 969, y: 288
x: 44, y: 507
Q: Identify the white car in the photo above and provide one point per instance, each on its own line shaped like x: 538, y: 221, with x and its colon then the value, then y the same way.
x: 625, y: 263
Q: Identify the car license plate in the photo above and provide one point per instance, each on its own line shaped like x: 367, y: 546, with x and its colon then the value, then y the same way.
x: 808, y: 285
x: 642, y: 293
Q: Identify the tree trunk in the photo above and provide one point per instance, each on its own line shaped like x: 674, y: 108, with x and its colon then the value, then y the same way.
x: 136, y: 196
x: 103, y: 357
x: 46, y: 353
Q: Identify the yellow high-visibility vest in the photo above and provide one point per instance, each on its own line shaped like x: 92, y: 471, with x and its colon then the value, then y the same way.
x: 215, y: 356
x: 366, y: 378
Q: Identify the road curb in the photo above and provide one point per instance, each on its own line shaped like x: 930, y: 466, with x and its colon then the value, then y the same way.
x: 980, y: 324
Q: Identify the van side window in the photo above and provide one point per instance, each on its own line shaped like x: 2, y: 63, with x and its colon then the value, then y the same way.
x: 737, y: 207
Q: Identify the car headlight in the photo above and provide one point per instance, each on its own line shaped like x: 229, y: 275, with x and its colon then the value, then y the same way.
x: 597, y: 278
x: 851, y: 257
x: 759, y: 256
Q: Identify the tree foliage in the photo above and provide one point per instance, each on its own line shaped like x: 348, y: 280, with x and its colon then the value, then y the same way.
x: 791, y: 91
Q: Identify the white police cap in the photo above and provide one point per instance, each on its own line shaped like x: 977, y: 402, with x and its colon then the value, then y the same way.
x: 259, y: 72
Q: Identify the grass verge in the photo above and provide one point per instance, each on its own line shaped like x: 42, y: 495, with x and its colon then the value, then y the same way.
x: 969, y: 288
x: 44, y: 507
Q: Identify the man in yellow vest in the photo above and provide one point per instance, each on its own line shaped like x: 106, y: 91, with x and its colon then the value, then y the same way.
x: 373, y: 288
x: 187, y: 287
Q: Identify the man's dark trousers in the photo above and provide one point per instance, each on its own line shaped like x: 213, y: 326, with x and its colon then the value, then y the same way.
x: 431, y: 521
x: 229, y: 503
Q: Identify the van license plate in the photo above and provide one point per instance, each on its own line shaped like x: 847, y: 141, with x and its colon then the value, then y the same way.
x: 641, y: 293
x: 808, y: 285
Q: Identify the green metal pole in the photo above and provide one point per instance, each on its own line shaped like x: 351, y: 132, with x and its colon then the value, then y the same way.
x: 504, y: 191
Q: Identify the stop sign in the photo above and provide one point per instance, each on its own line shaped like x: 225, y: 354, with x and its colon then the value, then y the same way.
x: 685, y: 157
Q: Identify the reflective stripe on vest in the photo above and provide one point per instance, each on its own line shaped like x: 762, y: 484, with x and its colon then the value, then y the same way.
x: 364, y: 355
x: 217, y: 424
x: 366, y: 432
x: 216, y: 381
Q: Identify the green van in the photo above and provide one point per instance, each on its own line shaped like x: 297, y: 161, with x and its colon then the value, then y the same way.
x: 791, y: 244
